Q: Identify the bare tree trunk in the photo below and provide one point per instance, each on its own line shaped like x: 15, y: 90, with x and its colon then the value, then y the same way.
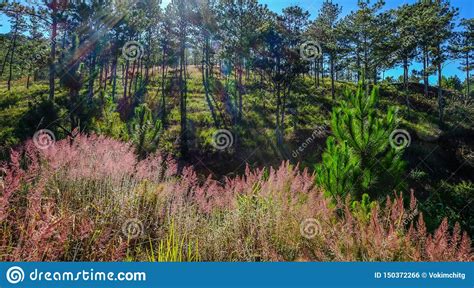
x: 205, y: 81
x: 333, y: 91
x: 52, y: 57
x: 15, y: 35
x: 440, y: 95
x: 425, y: 74
x: 106, y: 74
x: 405, y: 82
x: 132, y: 75
x: 182, y: 104
x: 125, y: 86
x: 467, y: 75
x: 101, y: 74
x: 163, y: 82
x: 240, y: 88
x: 278, y: 107
x: 91, y: 76
x: 4, y: 64
x: 114, y: 85
x: 358, y: 67
x: 366, y: 61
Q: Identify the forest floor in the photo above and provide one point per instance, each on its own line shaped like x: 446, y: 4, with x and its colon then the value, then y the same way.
x: 434, y: 149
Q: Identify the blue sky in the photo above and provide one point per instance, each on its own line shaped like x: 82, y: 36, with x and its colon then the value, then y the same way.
x: 466, y: 10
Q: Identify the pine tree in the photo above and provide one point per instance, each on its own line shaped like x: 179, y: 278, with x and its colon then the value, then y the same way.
x: 70, y: 77
x: 324, y: 28
x: 443, y: 26
x: 144, y: 130
x: 462, y: 47
x: 359, y: 158
x: 405, y: 42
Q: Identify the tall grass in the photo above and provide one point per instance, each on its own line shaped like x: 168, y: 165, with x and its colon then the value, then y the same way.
x: 73, y: 202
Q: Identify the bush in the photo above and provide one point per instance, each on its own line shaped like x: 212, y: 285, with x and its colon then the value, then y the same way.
x: 452, y: 201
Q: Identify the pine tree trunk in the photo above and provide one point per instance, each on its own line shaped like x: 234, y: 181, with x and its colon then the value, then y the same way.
x: 114, y: 85
x: 467, y: 76
x: 163, y: 82
x: 358, y: 67
x: 333, y: 91
x: 182, y: 91
x: 366, y: 60
x: 12, y: 50
x: 11, y: 54
x: 125, y: 85
x: 239, y: 89
x: 425, y: 74
x: 132, y: 75
x: 405, y: 82
x: 106, y: 75
x: 91, y: 76
x: 278, y: 106
x: 52, y: 57
x: 440, y: 95
x: 4, y: 64
x: 205, y: 80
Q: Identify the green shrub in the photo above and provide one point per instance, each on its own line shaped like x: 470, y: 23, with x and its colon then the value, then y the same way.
x: 110, y: 123
x: 454, y: 201
x: 360, y: 158
x: 144, y: 130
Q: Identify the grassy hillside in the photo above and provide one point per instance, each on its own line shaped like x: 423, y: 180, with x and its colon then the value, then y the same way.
x: 439, y: 158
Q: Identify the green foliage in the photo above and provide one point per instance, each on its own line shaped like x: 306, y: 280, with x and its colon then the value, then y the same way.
x: 144, y: 130
x: 174, y: 249
x: 110, y: 123
x: 452, y: 201
x: 362, y: 209
x: 452, y: 83
x: 359, y: 158
x: 69, y: 68
x: 336, y: 173
x: 40, y: 115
